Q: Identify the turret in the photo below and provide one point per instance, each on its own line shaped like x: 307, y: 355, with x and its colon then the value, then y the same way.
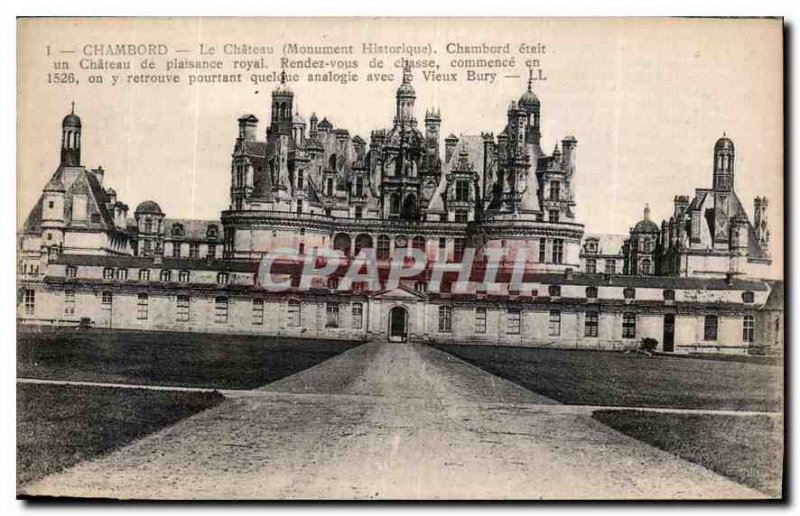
x: 405, y: 99
x: 724, y: 155
x: 99, y: 174
x: 433, y: 121
x: 71, y: 140
x: 568, y: 148
x: 282, y: 108
x: 760, y: 205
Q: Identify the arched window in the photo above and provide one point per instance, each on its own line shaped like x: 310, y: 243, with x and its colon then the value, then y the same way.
x: 183, y: 276
x: 363, y: 241
x: 166, y: 275
x: 410, y: 210
x: 710, y: 327
x: 222, y: 278
x: 383, y: 247
x: 332, y: 162
x: 646, y: 266
x: 591, y: 292
x: 341, y: 242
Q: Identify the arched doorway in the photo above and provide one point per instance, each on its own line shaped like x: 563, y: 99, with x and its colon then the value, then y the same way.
x: 398, y: 324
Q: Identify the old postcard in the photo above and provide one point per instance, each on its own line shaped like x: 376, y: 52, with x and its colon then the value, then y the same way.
x: 400, y: 259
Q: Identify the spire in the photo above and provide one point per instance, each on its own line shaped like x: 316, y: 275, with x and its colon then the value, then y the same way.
x: 530, y: 78
x: 407, y: 77
x: 283, y: 76
x: 646, y: 212
x: 72, y: 109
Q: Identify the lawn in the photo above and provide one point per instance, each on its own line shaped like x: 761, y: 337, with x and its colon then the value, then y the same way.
x: 606, y: 378
x: 168, y: 358
x: 747, y: 449
x: 61, y: 425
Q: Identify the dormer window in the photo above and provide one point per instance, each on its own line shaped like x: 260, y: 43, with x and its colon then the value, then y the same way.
x: 591, y: 292
x: 669, y: 295
x: 629, y: 293
x: 177, y: 230
x: 748, y: 297
x: 554, y: 290
x: 222, y: 278
x: 212, y: 231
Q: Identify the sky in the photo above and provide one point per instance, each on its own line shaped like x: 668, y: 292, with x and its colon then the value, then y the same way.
x: 645, y: 98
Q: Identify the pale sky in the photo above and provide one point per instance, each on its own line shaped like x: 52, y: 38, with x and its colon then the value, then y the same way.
x: 646, y: 100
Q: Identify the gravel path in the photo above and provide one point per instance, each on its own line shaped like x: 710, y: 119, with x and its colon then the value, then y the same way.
x: 390, y: 421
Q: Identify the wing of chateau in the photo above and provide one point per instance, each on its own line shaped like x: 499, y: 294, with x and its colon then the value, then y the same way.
x: 694, y: 282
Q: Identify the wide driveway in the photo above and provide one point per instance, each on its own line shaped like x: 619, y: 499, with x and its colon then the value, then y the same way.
x: 390, y: 421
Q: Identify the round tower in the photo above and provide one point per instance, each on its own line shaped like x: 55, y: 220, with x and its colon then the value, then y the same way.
x: 71, y: 139
x: 724, y: 155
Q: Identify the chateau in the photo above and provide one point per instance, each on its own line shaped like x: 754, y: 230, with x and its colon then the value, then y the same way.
x: 692, y: 283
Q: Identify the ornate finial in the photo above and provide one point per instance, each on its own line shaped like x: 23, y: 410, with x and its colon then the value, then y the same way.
x: 724, y: 134
x: 283, y: 76
x: 407, y: 73
x: 530, y: 78
x: 72, y: 110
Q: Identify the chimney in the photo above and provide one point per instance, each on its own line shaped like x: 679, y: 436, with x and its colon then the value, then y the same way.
x: 98, y: 174
x: 568, y: 145
x: 248, y: 125
x: 568, y: 274
x: 450, y: 146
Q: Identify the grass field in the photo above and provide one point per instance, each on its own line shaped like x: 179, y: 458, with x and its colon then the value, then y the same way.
x: 167, y: 358
x: 618, y: 379
x: 61, y: 425
x: 747, y: 449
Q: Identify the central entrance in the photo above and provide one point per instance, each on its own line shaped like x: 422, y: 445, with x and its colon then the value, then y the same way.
x: 669, y: 333
x: 398, y: 324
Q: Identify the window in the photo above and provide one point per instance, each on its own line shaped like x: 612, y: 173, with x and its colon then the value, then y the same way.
x: 122, y: 274
x: 106, y: 299
x: 629, y: 293
x: 299, y: 179
x: 555, y: 190
x: 710, y: 327
x: 646, y: 267
x: 552, y: 215
x: 591, y: 292
x: 222, y: 278
x: 358, y: 316
x: 628, y: 326
x: 394, y: 204
x: 333, y: 283
x: 148, y: 226
x: 442, y: 243
x: 591, y: 324
x: 591, y: 265
x: 420, y: 286
x: 183, y: 276
x: 258, y: 311
x: 212, y: 231
x: 458, y: 249
x: 166, y: 275
x: 221, y: 310
x: 513, y: 316
x: 669, y: 295
x: 108, y: 273
x: 748, y: 297
x: 194, y: 251
x: 383, y: 247
x: 462, y: 191
x: 69, y: 302
x: 611, y: 267
x: 148, y: 246
x: 182, y: 308
x: 558, y: 251
x: 418, y: 243
x: 212, y: 251
x: 72, y: 271
x: 142, y: 302
x: 331, y: 315
x: 461, y: 216
x: 293, y: 313
x: 359, y: 212
x: 554, y: 325
x: 299, y: 209
x: 445, y: 319
x: 554, y: 290
x: 329, y: 186
x: 542, y: 250
x: 359, y: 186
x: 748, y: 328
x: 176, y: 250
x: 30, y: 301
x: 480, y: 319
